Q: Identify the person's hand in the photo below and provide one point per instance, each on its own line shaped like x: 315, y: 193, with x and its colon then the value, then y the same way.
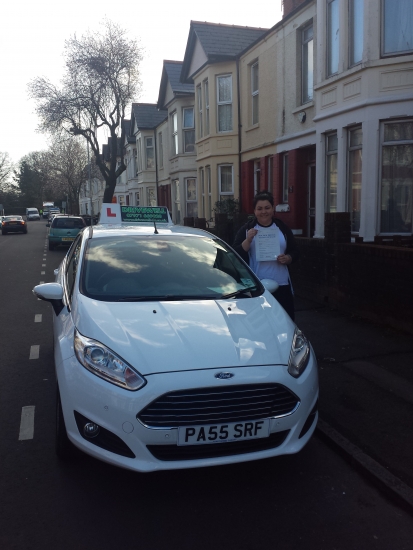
x: 251, y: 234
x: 284, y: 259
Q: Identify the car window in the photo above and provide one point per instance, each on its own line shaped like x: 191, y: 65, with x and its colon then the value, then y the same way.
x: 72, y: 265
x: 68, y: 223
x: 173, y: 267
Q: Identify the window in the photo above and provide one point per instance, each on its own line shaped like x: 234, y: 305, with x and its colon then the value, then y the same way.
x: 397, y: 26
x: 139, y: 156
x: 254, y: 92
x: 224, y: 99
x: 121, y: 199
x: 257, y: 176
x: 135, y: 162
x: 356, y: 21
x: 332, y: 37
x: 137, y: 198
x: 206, y: 95
x: 191, y: 198
x: 150, y: 196
x: 71, y: 269
x: 397, y: 177
x: 160, y: 143
x: 200, y: 113
x: 176, y: 207
x: 354, y: 152
x: 307, y: 67
x: 226, y: 181
x: 174, y: 126
x: 189, y: 130
x: 202, y: 180
x: 285, y: 179
x: 150, y: 153
x: 331, y: 172
x: 208, y: 212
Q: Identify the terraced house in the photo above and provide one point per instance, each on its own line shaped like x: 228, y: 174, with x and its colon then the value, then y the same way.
x: 318, y: 109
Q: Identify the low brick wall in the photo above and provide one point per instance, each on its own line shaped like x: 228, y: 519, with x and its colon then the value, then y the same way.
x: 372, y: 281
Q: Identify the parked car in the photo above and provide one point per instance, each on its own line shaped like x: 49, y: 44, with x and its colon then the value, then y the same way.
x: 170, y: 353
x: 32, y: 214
x: 13, y: 224
x: 64, y: 229
x: 89, y: 220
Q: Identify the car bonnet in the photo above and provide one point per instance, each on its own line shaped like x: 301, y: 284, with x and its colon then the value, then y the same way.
x: 171, y: 336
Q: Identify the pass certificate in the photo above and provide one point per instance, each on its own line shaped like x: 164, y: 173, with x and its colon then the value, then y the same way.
x: 267, y: 244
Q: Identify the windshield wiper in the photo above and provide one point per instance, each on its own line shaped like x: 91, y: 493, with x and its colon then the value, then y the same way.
x: 245, y: 292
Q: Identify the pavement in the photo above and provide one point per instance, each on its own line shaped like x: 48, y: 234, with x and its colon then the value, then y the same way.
x: 366, y: 394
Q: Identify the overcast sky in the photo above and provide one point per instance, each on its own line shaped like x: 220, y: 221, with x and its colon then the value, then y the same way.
x: 32, y: 35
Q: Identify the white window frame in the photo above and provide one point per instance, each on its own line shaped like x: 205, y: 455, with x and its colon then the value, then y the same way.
x: 139, y: 156
x: 328, y: 182
x: 209, y: 190
x: 355, y: 31
x: 255, y: 94
x: 222, y: 103
x: 225, y: 193
x: 138, y: 197
x: 206, y: 96
x: 333, y: 45
x: 187, y: 130
x: 350, y: 149
x: 174, y: 127
x: 151, y: 196
x: 200, y: 112
x: 193, y: 201
x: 149, y: 158
x: 202, y: 180
x: 307, y: 64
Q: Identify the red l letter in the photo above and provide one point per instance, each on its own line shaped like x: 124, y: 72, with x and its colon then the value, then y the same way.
x: 110, y: 214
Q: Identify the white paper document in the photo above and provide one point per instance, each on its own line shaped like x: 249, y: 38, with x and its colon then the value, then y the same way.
x: 267, y: 244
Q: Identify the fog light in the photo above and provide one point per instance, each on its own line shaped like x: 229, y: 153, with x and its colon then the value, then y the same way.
x: 90, y: 429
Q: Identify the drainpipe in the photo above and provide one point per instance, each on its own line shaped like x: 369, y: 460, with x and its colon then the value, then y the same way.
x: 239, y: 137
x: 156, y: 166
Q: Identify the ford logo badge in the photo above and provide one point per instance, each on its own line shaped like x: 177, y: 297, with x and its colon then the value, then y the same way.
x: 224, y: 375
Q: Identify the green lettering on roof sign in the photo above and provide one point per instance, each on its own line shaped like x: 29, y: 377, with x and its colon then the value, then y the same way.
x: 144, y: 214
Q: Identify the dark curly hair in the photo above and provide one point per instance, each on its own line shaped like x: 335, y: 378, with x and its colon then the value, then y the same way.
x: 263, y: 196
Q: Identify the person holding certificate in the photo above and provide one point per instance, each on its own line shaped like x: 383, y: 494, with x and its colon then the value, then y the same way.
x: 267, y: 244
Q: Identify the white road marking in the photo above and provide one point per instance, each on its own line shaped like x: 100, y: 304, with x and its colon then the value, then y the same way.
x: 43, y: 265
x: 27, y: 423
x: 43, y: 273
x: 38, y: 318
x: 34, y: 352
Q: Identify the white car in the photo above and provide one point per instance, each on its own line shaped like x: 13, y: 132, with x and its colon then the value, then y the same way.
x: 170, y: 353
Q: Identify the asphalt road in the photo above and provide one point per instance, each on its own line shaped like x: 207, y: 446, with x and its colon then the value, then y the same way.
x: 313, y: 500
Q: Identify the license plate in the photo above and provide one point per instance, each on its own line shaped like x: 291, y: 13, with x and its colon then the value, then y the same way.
x: 68, y: 238
x: 222, y: 433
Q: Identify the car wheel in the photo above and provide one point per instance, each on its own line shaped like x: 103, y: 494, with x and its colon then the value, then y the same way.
x: 64, y: 448
x: 51, y: 246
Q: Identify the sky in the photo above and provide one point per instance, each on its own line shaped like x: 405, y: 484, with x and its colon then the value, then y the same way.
x: 33, y: 33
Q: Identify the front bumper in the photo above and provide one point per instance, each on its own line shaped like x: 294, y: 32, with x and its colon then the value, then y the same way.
x: 86, y: 396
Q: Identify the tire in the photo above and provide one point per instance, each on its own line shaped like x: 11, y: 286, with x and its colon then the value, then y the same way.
x: 51, y: 246
x: 65, y: 450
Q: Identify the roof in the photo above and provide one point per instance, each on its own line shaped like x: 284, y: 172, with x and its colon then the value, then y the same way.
x: 171, y: 73
x: 147, y: 116
x: 126, y: 132
x: 219, y: 42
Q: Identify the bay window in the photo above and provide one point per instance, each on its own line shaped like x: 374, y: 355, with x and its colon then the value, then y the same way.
x: 254, y: 93
x: 307, y: 63
x: 224, y: 100
x: 188, y: 126
x: 397, y: 27
x: 191, y: 197
x: 332, y: 36
x: 331, y: 172
x: 226, y: 181
x: 354, y: 181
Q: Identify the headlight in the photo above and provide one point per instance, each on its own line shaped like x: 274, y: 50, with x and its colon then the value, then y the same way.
x: 299, y: 355
x: 100, y: 360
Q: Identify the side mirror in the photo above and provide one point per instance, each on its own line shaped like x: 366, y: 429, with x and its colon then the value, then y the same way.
x: 50, y: 292
x: 270, y: 285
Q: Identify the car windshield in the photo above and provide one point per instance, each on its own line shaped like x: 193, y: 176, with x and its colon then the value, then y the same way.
x: 68, y: 223
x: 176, y: 267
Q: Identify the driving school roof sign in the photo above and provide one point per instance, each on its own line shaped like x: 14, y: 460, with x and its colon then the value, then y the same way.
x: 115, y: 213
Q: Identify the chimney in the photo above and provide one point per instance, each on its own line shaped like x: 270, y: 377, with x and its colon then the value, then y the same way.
x: 290, y: 5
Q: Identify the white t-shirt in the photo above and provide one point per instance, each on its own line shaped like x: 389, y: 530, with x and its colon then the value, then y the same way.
x: 270, y: 270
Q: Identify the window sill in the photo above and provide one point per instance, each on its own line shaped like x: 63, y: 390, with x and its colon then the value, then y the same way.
x: 303, y: 107
x: 254, y: 127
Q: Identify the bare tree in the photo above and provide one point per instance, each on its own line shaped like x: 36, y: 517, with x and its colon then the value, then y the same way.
x: 101, y: 80
x: 6, y: 168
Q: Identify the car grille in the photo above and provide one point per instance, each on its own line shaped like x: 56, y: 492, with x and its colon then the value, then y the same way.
x: 218, y: 405
x: 214, y: 450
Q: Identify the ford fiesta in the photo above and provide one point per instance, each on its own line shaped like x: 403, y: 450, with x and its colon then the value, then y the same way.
x: 170, y: 353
